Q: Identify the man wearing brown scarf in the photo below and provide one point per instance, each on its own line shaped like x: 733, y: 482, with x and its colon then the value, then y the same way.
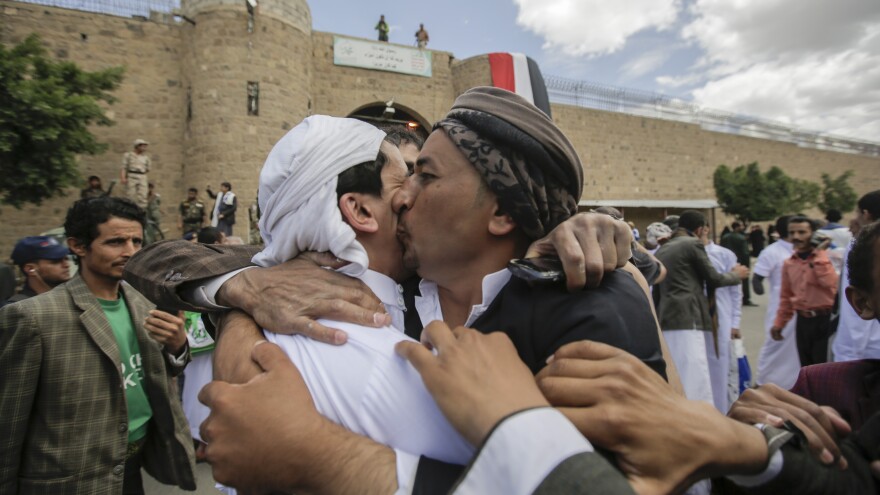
x: 494, y: 176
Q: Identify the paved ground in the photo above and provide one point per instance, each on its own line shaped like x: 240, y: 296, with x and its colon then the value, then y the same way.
x: 753, y: 333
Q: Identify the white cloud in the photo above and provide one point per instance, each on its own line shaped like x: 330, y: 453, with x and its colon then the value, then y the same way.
x: 679, y: 81
x: 646, y: 63
x: 810, y: 63
x: 593, y: 27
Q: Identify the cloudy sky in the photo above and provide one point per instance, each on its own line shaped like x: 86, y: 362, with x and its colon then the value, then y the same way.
x: 813, y: 64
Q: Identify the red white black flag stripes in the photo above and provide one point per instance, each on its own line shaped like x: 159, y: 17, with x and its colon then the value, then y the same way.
x: 520, y: 74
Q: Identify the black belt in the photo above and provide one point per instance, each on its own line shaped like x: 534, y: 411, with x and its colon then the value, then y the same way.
x: 812, y: 313
x: 133, y: 172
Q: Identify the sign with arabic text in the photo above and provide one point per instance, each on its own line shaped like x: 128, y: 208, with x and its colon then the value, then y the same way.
x: 381, y: 56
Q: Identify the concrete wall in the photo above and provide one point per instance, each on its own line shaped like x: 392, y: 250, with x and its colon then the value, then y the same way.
x: 185, y: 92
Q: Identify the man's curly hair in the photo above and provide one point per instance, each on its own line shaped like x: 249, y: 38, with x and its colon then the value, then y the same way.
x: 86, y: 214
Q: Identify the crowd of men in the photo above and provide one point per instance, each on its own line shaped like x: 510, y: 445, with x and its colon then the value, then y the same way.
x: 381, y: 339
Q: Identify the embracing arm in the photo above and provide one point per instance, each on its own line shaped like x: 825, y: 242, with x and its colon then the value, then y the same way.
x: 285, y: 298
x: 305, y: 450
x: 803, y: 473
x: 21, y: 354
x: 162, y: 270
x: 710, y: 275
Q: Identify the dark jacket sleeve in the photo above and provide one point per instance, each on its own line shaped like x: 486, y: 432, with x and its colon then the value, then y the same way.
x: 803, y: 474
x: 161, y: 269
x: 587, y: 472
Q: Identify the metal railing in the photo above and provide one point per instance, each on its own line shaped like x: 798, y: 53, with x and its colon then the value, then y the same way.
x: 646, y: 104
x: 122, y: 8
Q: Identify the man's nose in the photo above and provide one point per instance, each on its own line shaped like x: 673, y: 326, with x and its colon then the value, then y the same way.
x: 130, y: 248
x: 405, y: 196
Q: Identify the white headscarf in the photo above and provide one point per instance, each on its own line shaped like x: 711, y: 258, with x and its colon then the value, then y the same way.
x: 298, y: 190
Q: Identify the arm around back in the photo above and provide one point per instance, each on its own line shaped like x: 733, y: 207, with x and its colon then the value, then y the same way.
x: 161, y: 270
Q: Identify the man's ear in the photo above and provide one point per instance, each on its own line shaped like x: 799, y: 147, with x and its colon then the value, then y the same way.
x: 29, y: 268
x: 861, y: 303
x: 76, y: 247
x: 358, y: 212
x: 500, y: 223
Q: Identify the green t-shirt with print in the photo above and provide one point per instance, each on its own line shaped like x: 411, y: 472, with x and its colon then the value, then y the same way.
x: 139, y: 410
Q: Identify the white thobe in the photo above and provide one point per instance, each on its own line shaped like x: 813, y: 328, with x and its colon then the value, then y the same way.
x: 856, y: 338
x: 728, y: 308
x: 778, y: 361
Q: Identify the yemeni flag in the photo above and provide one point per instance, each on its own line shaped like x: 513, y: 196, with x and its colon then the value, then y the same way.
x: 520, y: 74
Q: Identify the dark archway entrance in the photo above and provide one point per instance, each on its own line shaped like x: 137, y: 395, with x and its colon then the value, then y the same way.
x: 390, y: 116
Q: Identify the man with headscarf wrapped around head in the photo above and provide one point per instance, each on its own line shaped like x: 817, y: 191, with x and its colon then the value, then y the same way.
x: 477, y: 166
x: 327, y: 186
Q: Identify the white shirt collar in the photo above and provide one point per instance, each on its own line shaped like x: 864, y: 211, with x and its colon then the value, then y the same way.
x: 389, y: 292
x: 428, y: 304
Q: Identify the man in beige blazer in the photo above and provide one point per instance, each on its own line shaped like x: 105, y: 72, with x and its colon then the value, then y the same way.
x: 86, y: 395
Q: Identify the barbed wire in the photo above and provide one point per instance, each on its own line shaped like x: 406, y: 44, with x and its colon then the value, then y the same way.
x: 121, y: 8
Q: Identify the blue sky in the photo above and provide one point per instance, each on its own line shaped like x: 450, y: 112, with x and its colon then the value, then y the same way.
x: 814, y: 64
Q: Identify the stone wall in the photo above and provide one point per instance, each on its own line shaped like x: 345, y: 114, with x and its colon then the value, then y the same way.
x: 471, y: 72
x: 222, y: 141
x: 149, y: 106
x: 630, y: 157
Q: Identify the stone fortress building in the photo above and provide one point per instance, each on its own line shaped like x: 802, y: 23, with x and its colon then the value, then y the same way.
x: 215, y: 86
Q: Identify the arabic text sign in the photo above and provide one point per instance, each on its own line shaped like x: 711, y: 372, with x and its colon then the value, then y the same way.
x: 381, y: 56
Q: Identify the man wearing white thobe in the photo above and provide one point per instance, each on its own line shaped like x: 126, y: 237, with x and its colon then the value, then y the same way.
x: 728, y: 308
x: 778, y: 361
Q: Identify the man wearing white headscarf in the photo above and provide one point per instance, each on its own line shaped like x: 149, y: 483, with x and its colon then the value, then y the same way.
x: 326, y: 186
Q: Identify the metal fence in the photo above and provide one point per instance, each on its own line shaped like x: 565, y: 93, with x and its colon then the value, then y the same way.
x: 647, y: 104
x: 122, y: 8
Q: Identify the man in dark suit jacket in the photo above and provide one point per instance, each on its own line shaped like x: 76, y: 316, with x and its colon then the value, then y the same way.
x: 86, y: 395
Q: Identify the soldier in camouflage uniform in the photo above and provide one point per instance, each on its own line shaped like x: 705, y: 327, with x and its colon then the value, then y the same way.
x: 153, y: 231
x: 95, y: 190
x: 135, y: 166
x: 192, y: 213
x: 254, y: 216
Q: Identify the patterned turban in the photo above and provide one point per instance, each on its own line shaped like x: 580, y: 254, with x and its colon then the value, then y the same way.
x: 524, y: 158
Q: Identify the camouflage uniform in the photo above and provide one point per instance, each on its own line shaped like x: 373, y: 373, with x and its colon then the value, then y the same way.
x: 136, y: 168
x: 254, y: 216
x: 193, y: 215
x: 153, y: 232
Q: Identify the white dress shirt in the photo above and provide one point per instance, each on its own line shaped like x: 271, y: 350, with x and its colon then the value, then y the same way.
x: 856, y: 338
x: 428, y: 304
x: 367, y: 388
x: 778, y: 361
